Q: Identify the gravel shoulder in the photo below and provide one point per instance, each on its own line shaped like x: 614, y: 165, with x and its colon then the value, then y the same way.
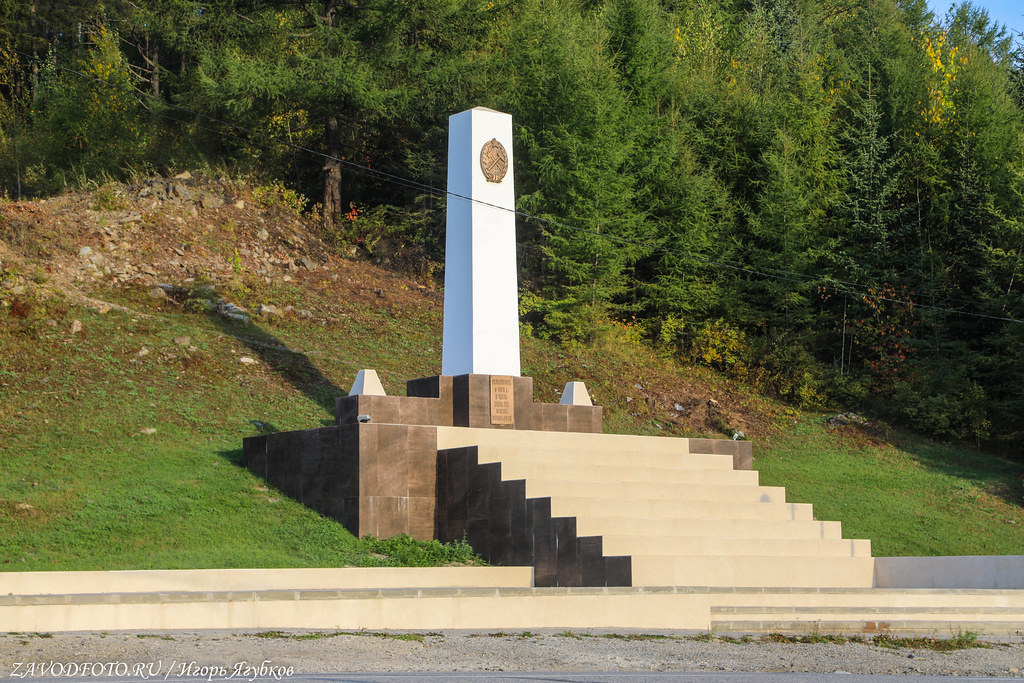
x: 310, y: 652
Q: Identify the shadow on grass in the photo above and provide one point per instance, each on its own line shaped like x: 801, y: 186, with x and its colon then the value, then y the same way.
x: 233, y: 456
x: 294, y: 366
x: 997, y: 475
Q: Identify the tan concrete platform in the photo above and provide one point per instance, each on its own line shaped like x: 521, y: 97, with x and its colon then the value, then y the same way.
x: 192, y: 580
x: 761, y: 570
x: 939, y: 612
x: 405, y: 609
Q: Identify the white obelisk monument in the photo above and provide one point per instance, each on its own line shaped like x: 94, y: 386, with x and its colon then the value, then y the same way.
x: 481, y: 299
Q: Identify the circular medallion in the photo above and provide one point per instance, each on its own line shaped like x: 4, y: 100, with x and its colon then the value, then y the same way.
x: 493, y: 161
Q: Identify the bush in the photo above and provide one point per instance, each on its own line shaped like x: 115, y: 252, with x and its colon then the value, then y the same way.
x: 789, y: 371
x: 405, y: 551
x: 719, y: 345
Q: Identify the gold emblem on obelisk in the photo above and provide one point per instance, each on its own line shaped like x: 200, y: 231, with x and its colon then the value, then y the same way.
x: 493, y: 161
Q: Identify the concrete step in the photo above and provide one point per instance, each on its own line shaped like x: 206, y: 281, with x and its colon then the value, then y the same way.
x: 725, y: 528
x: 875, y: 614
x: 767, y: 571
x: 938, y: 612
x: 156, y: 580
x: 396, y: 608
x: 652, y: 491
x: 706, y: 546
x: 610, y: 457
x: 553, y: 466
x: 451, y: 437
x: 867, y: 598
x: 871, y: 626
x: 637, y: 508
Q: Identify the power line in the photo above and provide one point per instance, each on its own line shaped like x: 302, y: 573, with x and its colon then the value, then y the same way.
x: 840, y: 286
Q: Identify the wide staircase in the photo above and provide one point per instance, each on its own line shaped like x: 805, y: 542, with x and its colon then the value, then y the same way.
x: 684, y: 519
x: 691, y: 522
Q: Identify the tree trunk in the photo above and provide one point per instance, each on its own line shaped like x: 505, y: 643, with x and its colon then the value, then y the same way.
x: 154, y: 79
x: 332, y: 172
x: 332, y: 167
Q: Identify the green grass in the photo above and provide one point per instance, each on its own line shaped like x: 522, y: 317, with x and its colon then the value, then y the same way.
x: 961, y: 641
x: 318, y: 635
x: 909, y: 495
x: 85, y: 488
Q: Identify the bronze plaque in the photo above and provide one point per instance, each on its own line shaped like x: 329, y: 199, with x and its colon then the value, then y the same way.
x: 503, y: 404
x: 493, y: 161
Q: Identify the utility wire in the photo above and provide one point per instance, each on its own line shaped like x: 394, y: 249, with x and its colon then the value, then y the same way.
x: 840, y: 286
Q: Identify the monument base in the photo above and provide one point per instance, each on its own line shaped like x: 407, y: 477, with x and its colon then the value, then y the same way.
x: 382, y: 470
x: 375, y: 471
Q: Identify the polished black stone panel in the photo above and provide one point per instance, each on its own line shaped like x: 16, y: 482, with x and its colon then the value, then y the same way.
x: 568, y: 561
x: 318, y: 467
x: 545, y: 546
x: 254, y: 455
x: 507, y: 528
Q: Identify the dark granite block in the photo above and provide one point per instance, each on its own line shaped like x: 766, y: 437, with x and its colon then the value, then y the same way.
x: 381, y: 409
x: 344, y: 467
x: 279, y: 449
x: 554, y: 417
x: 368, y: 459
x: 597, y: 420
x: 743, y: 458
x: 545, y: 549
x: 290, y: 475
x: 441, y: 498
x: 392, y: 458
x: 579, y: 418
x: 521, y: 541
x: 421, y: 518
x: 591, y: 560
x: 500, y: 523
x: 308, y: 466
x: 460, y: 401
x: 392, y: 515
x: 345, y: 510
x: 741, y: 451
x: 569, y: 571
x: 618, y: 570
x: 425, y: 387
x: 437, y: 412
x: 367, y: 517
x: 458, y: 462
x: 414, y: 411
x: 482, y: 485
x: 480, y: 403
x: 346, y: 409
x: 254, y: 455
x: 422, y: 461
x: 526, y: 413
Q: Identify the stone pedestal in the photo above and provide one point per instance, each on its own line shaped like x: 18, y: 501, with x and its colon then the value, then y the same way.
x: 379, y: 477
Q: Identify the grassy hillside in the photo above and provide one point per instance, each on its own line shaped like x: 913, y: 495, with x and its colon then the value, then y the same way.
x: 122, y: 409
